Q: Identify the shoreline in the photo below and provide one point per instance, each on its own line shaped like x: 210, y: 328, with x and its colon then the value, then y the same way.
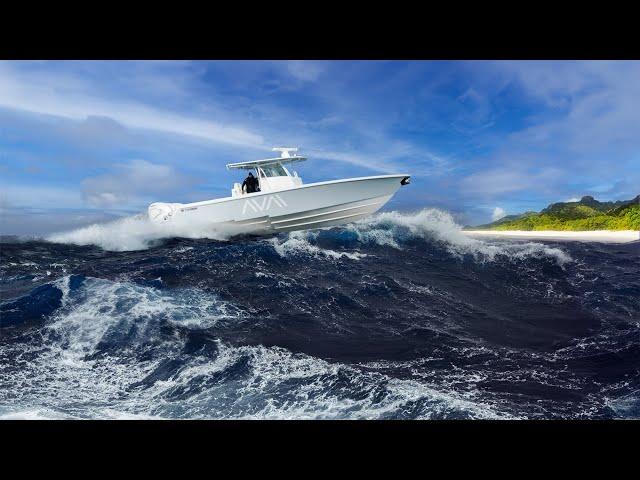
x: 606, y: 236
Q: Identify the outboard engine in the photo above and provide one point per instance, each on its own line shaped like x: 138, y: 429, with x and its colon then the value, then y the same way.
x: 162, y: 212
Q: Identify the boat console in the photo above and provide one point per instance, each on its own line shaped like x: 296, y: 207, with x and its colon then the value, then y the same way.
x: 272, y: 174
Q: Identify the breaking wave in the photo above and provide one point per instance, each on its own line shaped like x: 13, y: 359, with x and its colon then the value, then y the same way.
x: 139, y: 350
x: 300, y: 243
x: 390, y: 229
x: 92, y: 307
x: 394, y: 229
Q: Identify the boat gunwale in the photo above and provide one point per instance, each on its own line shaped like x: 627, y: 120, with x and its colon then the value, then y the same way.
x: 308, y: 185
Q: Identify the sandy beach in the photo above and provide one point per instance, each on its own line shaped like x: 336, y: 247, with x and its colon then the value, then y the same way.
x: 608, y: 236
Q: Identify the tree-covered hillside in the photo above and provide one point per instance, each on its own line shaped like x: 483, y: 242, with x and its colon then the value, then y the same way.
x: 587, y: 214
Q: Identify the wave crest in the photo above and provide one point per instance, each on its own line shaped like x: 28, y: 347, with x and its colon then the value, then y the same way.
x: 93, y: 310
x: 391, y: 229
x: 394, y: 228
x: 299, y: 243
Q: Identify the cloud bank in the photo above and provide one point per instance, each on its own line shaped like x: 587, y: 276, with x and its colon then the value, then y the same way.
x: 139, y: 180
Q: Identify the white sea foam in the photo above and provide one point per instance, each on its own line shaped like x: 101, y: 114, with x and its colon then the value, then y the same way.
x: 284, y: 385
x: 64, y: 379
x: 99, y: 305
x: 627, y: 406
x: 390, y: 228
x: 393, y: 228
x: 278, y: 384
x: 34, y: 414
x: 296, y: 243
x: 138, y: 233
x: 386, y: 229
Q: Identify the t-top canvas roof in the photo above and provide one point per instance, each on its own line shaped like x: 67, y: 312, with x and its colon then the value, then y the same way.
x: 266, y: 161
x: 285, y: 157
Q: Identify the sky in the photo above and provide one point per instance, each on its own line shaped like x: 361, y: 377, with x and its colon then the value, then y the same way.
x: 88, y: 141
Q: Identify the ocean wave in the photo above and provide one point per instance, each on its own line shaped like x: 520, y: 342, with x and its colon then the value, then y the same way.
x: 106, y: 339
x: 117, y: 349
x: 33, y: 414
x: 394, y: 228
x: 390, y: 229
x: 92, y: 305
x: 247, y: 382
x: 299, y: 243
x: 274, y: 383
x: 396, y: 316
x: 101, y: 339
x: 627, y: 406
x: 89, y: 314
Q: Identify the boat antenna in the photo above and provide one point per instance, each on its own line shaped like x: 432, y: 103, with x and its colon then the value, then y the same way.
x: 284, y: 151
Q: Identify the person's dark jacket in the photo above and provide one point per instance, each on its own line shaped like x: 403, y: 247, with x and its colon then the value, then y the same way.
x: 251, y: 183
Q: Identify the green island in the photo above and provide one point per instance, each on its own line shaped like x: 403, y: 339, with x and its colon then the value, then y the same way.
x: 587, y: 214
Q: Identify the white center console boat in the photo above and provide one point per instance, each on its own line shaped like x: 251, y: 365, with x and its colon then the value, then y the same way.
x: 284, y: 202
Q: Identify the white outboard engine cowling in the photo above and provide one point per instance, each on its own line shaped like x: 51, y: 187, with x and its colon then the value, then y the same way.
x: 163, y: 212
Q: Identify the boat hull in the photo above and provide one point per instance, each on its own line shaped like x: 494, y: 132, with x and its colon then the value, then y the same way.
x: 310, y: 206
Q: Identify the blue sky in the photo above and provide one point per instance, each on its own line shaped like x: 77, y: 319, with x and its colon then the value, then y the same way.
x: 83, y: 141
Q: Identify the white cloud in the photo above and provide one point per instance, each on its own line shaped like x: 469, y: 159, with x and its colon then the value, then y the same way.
x: 27, y: 221
x: 70, y: 97
x: 588, y: 102
x: 507, y: 180
x: 38, y: 197
x: 573, y: 199
x: 133, y: 183
x: 498, y: 213
x: 360, y: 160
x: 95, y: 94
x: 581, y: 121
x: 305, y: 70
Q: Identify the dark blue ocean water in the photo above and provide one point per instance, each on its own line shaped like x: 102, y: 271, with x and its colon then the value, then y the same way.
x: 400, y: 316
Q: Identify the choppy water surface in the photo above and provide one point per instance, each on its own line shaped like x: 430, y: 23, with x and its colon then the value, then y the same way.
x: 399, y: 316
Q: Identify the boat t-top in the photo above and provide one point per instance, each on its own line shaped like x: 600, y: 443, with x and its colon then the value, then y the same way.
x: 283, y: 202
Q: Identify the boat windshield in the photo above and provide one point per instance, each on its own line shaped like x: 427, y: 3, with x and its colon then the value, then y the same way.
x: 274, y: 170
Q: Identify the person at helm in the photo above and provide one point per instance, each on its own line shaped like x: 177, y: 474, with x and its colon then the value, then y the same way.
x: 251, y: 184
